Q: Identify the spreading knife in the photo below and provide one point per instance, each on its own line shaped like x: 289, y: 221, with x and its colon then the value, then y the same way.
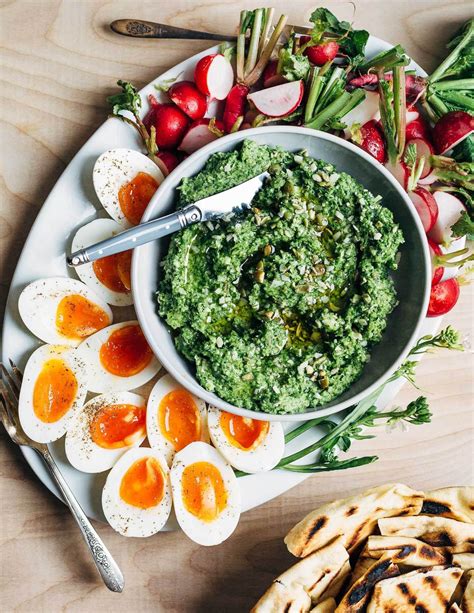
x: 219, y: 205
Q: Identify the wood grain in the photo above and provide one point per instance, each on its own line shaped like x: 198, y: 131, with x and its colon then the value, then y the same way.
x: 59, y: 61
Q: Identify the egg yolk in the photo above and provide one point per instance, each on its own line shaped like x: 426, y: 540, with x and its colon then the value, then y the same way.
x: 203, y: 491
x: 77, y: 317
x: 243, y: 432
x: 126, y: 352
x: 54, y: 391
x: 143, y: 485
x: 113, y: 271
x: 179, y: 419
x: 135, y: 195
x: 118, y: 425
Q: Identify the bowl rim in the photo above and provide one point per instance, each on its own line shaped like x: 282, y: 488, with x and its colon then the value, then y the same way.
x: 176, y: 175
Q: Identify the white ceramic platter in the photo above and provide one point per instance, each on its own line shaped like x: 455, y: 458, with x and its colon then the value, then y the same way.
x: 71, y: 204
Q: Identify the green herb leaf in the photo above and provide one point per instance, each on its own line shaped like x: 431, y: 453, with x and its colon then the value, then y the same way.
x: 351, y: 42
x: 228, y: 51
x: 127, y: 100
x: 292, y: 66
x: 464, y: 226
x: 410, y: 155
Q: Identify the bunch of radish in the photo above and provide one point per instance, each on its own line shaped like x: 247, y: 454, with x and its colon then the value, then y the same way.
x: 255, y: 90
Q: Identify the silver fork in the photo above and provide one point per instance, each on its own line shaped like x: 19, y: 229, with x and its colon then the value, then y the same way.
x: 10, y: 383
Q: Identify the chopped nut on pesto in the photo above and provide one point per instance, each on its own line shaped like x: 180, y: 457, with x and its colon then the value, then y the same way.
x: 278, y: 307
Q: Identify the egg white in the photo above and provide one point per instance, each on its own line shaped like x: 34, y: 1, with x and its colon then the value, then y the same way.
x: 94, y: 232
x: 125, y: 518
x: 38, y: 304
x: 205, y: 532
x: 263, y: 458
x: 35, y: 428
x: 101, y: 380
x: 156, y: 438
x: 81, y: 451
x: 114, y: 169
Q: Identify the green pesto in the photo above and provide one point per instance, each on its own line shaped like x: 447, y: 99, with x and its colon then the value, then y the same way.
x: 279, y: 307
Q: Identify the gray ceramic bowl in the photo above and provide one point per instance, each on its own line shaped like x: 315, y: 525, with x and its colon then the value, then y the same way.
x: 412, y: 279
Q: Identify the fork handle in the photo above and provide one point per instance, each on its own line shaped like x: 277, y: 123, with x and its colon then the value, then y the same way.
x: 106, y: 565
x: 138, y: 28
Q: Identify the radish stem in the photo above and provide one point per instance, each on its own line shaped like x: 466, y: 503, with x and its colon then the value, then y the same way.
x: 267, y: 24
x: 454, y: 55
x: 454, y: 84
x: 254, y: 42
x: 399, y: 108
x: 314, y: 89
x: 254, y: 76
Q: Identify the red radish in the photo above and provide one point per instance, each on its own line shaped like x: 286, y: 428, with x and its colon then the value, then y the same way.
x: 171, y: 124
x: 322, y: 53
x: 363, y: 112
x: 364, y: 80
x: 234, y: 106
x: 373, y: 141
x: 436, y: 269
x: 214, y: 76
x: 400, y: 171
x: 149, y: 118
x: 200, y: 134
x: 271, y: 76
x: 417, y: 129
x: 169, y: 159
x: 450, y: 209
x: 451, y: 129
x: 429, y: 179
x: 279, y: 100
x: 443, y: 297
x: 414, y: 87
x: 425, y: 150
x: 426, y: 207
x: 189, y: 99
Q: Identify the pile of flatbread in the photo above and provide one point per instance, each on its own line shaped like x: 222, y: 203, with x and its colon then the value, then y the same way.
x: 389, y: 549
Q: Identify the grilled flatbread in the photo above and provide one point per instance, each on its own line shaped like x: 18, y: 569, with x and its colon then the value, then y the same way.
x: 362, y: 565
x: 325, y: 606
x: 337, y: 582
x: 428, y: 590
x: 406, y: 550
x: 436, y: 531
x: 354, y: 517
x: 452, y: 502
x: 463, y: 560
x: 313, y: 576
x: 280, y: 598
x: 356, y: 598
x: 454, y: 608
x: 467, y: 600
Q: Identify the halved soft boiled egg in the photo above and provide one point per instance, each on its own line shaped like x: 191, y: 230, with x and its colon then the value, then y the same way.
x: 174, y: 418
x: 124, y: 181
x: 104, y: 429
x: 206, y: 495
x: 250, y: 445
x: 118, y: 358
x: 109, y: 277
x: 136, y: 497
x: 53, y: 390
x: 62, y: 311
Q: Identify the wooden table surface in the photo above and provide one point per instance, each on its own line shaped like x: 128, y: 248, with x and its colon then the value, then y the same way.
x: 59, y: 62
